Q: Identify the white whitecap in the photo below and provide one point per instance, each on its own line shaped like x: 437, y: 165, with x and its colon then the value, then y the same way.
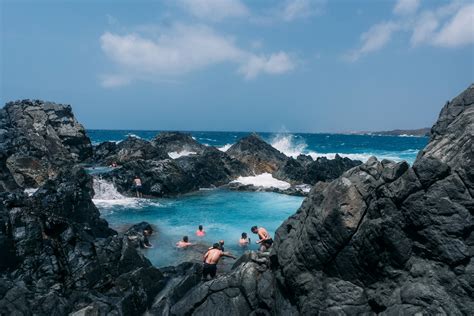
x: 225, y: 147
x: 176, y: 155
x: 286, y: 144
x: 107, y: 196
x: 265, y: 180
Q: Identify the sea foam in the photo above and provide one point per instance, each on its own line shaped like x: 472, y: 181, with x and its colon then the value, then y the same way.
x: 265, y: 180
x: 107, y: 196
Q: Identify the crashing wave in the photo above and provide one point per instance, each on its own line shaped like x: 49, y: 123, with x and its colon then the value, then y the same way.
x: 265, y: 180
x: 225, y: 147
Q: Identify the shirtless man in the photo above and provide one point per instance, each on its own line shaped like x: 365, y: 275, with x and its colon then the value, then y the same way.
x: 184, y: 243
x: 211, y: 258
x: 265, y: 240
x: 137, y: 184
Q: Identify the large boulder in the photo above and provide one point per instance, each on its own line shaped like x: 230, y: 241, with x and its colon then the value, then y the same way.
x: 305, y: 170
x: 177, y: 142
x: 212, y: 168
x: 37, y: 138
x: 258, y: 155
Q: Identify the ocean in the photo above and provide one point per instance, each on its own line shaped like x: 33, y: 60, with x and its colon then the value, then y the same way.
x: 226, y: 214
x: 359, y: 147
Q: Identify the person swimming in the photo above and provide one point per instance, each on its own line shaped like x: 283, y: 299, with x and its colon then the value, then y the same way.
x: 244, y: 241
x: 211, y: 258
x: 200, y: 232
x: 265, y: 240
x: 184, y: 243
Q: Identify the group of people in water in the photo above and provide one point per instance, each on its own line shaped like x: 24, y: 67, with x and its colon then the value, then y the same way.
x: 216, y: 252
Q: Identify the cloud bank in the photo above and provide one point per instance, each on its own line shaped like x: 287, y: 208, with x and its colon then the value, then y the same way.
x: 180, y: 49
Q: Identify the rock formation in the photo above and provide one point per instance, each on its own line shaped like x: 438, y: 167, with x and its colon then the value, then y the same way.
x: 37, y: 138
x: 305, y: 170
x: 177, y: 142
x: 258, y: 155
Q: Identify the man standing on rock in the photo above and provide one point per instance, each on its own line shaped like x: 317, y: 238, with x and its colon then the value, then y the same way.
x: 265, y: 240
x: 211, y: 258
x: 137, y: 184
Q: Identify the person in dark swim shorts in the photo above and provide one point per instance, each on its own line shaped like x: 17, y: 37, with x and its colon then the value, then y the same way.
x: 137, y: 186
x: 211, y: 258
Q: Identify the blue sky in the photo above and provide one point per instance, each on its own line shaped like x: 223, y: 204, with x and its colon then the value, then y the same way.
x: 302, y: 65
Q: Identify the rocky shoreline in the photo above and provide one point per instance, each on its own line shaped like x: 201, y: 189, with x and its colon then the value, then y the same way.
x: 373, y: 238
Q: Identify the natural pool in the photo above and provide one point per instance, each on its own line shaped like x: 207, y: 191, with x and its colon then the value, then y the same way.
x: 224, y: 215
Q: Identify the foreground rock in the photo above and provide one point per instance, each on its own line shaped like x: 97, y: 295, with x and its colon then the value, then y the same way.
x: 386, y: 237
x: 37, y: 139
x: 62, y: 257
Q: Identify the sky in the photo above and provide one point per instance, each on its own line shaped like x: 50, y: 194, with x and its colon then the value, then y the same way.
x: 236, y: 65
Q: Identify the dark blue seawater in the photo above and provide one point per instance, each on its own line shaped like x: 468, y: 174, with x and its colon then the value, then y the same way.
x: 353, y: 146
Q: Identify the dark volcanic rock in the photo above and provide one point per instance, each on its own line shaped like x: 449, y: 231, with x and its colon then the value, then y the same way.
x: 301, y: 170
x: 159, y: 178
x: 134, y: 148
x: 104, y: 152
x: 387, y: 237
x: 212, y: 168
x: 36, y: 139
x: 63, y: 257
x: 177, y: 142
x: 259, y: 156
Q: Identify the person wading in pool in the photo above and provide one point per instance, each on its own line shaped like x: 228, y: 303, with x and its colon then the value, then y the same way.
x: 200, y: 232
x: 265, y: 240
x: 137, y: 185
x: 244, y: 241
x: 184, y: 243
x: 211, y: 258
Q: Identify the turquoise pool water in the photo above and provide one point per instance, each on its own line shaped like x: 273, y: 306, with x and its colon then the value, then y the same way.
x: 224, y: 215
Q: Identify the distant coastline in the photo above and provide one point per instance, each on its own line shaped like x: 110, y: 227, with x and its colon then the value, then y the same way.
x: 420, y: 132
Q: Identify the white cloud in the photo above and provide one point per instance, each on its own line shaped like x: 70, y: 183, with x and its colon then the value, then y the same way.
x: 459, y: 30
x: 296, y: 9
x: 405, y: 7
x: 424, y: 28
x: 181, y: 49
x: 214, y: 10
x: 274, y: 64
x: 450, y: 25
x: 374, y: 39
